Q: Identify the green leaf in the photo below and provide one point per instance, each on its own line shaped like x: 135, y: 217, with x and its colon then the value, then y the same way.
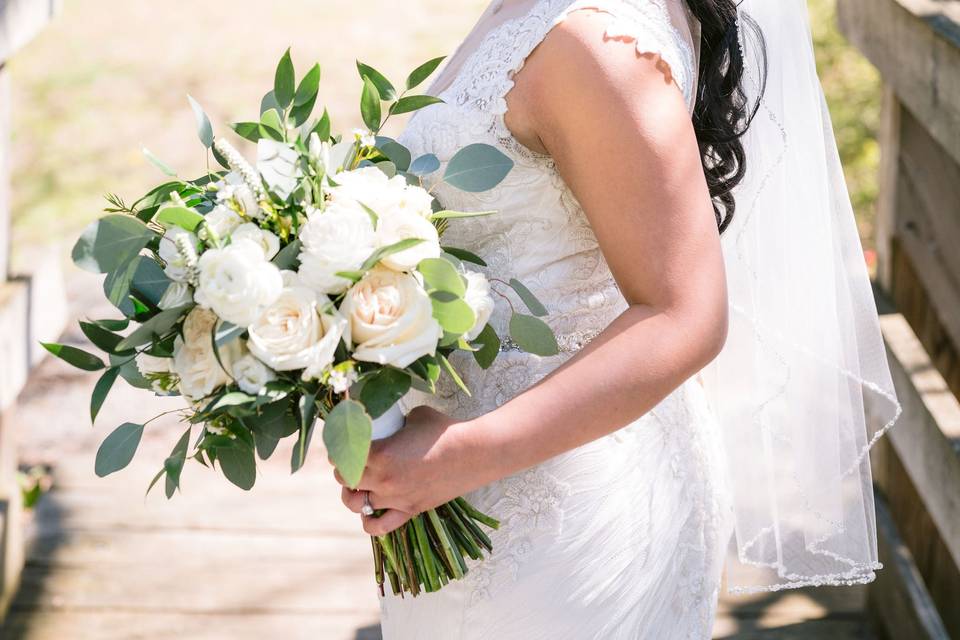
x: 447, y: 214
x: 465, y: 255
x: 384, y: 88
x: 453, y: 373
x: 118, y: 448
x: 283, y: 81
x: 439, y: 274
x: 413, y: 103
x: 269, y: 101
x: 534, y: 305
x: 73, y: 356
x: 533, y: 335
x: 248, y: 130
x: 274, y: 420
x: 112, y: 324
x: 347, y: 431
x: 154, y: 482
x: 322, y: 128
x: 421, y: 73
x: 111, y: 241
x: 129, y: 372
x: 232, y: 399
x: 238, y: 465
x: 271, y: 126
x: 227, y: 332
x: 154, y: 327
x: 424, y: 165
x: 149, y: 282
x: 101, y: 338
x: 489, y: 349
x: 390, y: 249
x: 306, y: 96
x: 182, y: 217
x: 455, y: 316
x: 100, y: 391
x: 204, y: 129
x: 288, y: 257
x: 157, y: 162
x: 370, y: 105
x: 308, y: 414
x: 382, y: 390
x: 477, y: 167
x: 173, y: 465
x: 398, y: 154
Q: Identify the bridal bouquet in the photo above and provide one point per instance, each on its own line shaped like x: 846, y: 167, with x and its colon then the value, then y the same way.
x: 308, y: 288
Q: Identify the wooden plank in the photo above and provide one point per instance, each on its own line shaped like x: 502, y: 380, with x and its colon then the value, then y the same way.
x: 885, y: 224
x: 914, y: 44
x: 898, y: 599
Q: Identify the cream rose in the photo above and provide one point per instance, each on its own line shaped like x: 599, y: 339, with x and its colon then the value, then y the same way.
x: 193, y: 358
x: 480, y: 301
x: 300, y: 330
x: 268, y: 241
x: 386, y: 196
x: 237, y: 282
x: 251, y: 375
x: 390, y: 318
x: 339, y: 238
x: 401, y: 226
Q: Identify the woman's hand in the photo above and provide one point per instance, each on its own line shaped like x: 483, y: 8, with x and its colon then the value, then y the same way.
x: 432, y: 460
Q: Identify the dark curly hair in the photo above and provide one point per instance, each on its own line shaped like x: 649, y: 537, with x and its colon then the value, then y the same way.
x: 722, y: 114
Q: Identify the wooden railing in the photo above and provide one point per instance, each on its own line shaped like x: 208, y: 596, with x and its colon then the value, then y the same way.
x: 916, y: 46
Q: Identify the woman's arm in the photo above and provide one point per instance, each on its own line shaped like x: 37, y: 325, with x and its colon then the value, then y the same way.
x: 619, y: 132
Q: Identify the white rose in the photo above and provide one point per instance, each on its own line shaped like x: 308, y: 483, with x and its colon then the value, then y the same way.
x: 220, y: 221
x: 278, y: 164
x: 386, y: 196
x: 251, y: 374
x: 339, y: 238
x: 300, y: 330
x: 268, y: 241
x: 390, y: 318
x: 193, y: 358
x: 232, y: 187
x: 178, y: 249
x: 176, y: 295
x: 480, y: 301
x: 237, y: 282
x: 400, y: 226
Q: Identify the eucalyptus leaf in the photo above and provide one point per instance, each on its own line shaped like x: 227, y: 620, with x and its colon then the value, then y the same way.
x: 533, y: 335
x: 421, y: 73
x: 382, y: 390
x: 204, y: 128
x: 288, y: 257
x: 173, y: 465
x: 118, y: 449
x: 238, y: 465
x: 466, y: 256
x: 308, y: 414
x: 110, y: 242
x: 157, y: 162
x: 440, y: 275
x: 101, y: 390
x: 398, y: 154
x: 384, y: 88
x: 424, y: 165
x: 283, y: 81
x: 347, y: 431
x: 455, y: 316
x: 533, y: 304
x: 489, y: 349
x: 74, y: 356
x: 370, y: 105
x: 182, y: 217
x: 154, y: 327
x: 233, y: 399
x: 477, y: 167
x: 149, y: 282
x: 413, y: 103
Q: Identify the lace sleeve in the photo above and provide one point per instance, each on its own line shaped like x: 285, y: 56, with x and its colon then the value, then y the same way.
x: 649, y: 25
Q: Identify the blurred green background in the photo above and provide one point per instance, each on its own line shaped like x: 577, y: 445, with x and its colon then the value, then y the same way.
x: 109, y: 77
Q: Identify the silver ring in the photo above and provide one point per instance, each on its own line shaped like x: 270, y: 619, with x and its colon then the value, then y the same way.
x: 367, y: 508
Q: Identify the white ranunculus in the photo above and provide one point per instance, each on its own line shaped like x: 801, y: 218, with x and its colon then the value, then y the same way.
x: 220, y: 221
x: 340, y: 238
x: 237, y: 282
x: 178, y: 249
x: 232, y: 187
x: 251, y: 374
x: 148, y: 364
x: 300, y: 330
x: 480, y: 301
x: 267, y: 240
x: 391, y: 318
x: 401, y: 226
x: 176, y: 295
x: 278, y: 164
x: 385, y: 196
x: 193, y: 358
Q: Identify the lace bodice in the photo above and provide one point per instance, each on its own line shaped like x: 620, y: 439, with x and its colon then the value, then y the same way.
x: 621, y: 538
x: 540, y: 234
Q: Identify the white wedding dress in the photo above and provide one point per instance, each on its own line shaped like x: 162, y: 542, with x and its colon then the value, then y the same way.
x: 624, y: 537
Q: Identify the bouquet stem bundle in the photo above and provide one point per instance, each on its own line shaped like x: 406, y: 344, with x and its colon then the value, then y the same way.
x: 428, y: 551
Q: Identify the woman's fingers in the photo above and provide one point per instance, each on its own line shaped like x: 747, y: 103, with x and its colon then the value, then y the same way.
x: 353, y: 500
x: 380, y: 525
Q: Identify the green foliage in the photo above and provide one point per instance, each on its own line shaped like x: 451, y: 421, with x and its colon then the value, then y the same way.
x: 109, y: 242
x: 533, y: 335
x: 477, y: 167
x: 118, y: 448
x: 347, y: 431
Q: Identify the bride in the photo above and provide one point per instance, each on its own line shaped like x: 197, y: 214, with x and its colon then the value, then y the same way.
x: 678, y: 206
